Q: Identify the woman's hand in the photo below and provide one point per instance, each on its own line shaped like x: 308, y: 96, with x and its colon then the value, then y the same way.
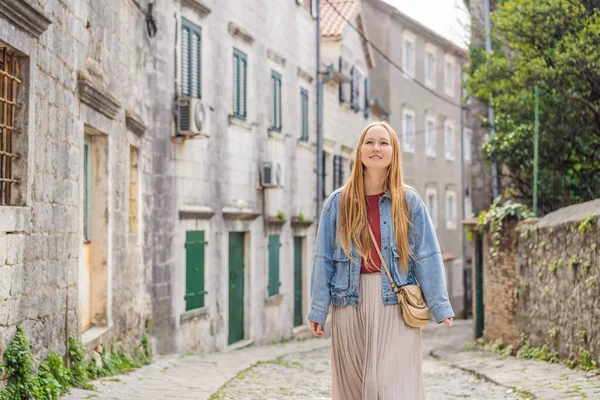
x: 316, y: 329
x: 447, y: 321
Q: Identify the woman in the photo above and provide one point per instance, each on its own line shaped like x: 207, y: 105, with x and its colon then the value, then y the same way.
x: 375, y: 355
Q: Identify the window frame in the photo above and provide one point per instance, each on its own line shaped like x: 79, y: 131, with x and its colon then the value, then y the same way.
x: 450, y: 223
x: 276, y: 101
x: 430, y: 145
x: 304, y: 115
x: 408, y: 147
x: 409, y: 37
x: 193, y: 29
x: 433, y: 211
x: 240, y: 58
x: 430, y: 50
x: 449, y: 85
x: 449, y: 151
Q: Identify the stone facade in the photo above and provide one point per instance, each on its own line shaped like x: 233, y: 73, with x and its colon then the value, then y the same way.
x: 95, y: 242
x: 433, y: 170
x: 545, y: 282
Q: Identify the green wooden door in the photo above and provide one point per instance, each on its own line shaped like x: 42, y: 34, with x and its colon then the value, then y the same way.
x: 479, y: 306
x: 194, y: 270
x: 236, y: 286
x: 274, y: 246
x: 297, y: 281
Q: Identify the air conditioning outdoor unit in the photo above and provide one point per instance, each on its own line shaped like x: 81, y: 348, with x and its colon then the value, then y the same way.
x: 271, y: 174
x: 194, y: 118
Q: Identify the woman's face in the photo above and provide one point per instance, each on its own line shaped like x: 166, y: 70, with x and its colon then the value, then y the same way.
x: 376, y: 149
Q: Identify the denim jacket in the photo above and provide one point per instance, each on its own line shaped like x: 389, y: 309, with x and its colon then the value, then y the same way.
x: 335, y: 277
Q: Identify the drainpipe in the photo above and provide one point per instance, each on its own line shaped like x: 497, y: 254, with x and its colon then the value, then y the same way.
x: 320, y: 180
x: 463, y: 185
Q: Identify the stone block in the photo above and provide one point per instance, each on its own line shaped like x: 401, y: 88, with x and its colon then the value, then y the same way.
x: 3, y: 249
x: 15, y: 249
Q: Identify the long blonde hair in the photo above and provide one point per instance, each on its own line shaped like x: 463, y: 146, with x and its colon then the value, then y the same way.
x: 353, y: 222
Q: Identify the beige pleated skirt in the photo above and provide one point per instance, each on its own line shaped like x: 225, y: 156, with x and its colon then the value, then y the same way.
x: 374, y: 354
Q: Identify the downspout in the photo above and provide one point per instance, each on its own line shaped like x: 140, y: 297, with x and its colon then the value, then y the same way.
x: 463, y: 184
x: 320, y: 180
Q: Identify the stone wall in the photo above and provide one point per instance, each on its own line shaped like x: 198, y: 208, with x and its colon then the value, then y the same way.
x: 499, y: 284
x: 545, y: 284
x: 559, y: 273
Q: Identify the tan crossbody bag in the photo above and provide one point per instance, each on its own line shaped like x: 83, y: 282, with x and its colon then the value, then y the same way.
x: 410, y: 297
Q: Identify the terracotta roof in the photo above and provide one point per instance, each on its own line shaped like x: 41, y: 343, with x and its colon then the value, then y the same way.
x: 332, y: 23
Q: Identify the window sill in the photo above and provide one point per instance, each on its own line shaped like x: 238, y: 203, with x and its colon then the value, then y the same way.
x: 92, y: 335
x: 430, y: 155
x: 305, y: 144
x: 198, y: 313
x: 233, y: 120
x: 274, y: 300
x: 449, y: 158
x: 275, y: 134
x: 14, y: 219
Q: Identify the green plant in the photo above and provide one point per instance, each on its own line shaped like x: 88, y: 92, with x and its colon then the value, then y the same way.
x: 544, y: 245
x: 582, y: 335
x: 586, y: 223
x: 573, y: 262
x: 281, y: 215
x: 469, y: 233
x: 79, y: 371
x: 587, y: 265
x: 586, y: 362
x: 553, y: 333
x: 301, y: 217
x: 591, y: 281
x: 501, y: 209
x: 553, y: 266
x: 55, y: 378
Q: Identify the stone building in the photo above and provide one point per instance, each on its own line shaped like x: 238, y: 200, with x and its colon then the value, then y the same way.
x: 346, y: 62
x: 420, y: 82
x: 156, y: 169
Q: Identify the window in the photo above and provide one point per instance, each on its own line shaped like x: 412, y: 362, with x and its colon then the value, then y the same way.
x: 431, y: 202
x: 273, y: 287
x: 449, y: 140
x: 194, y: 270
x: 430, y: 63
x: 355, y: 89
x: 367, y: 97
x: 304, y: 115
x: 409, y: 54
x: 408, y: 131
x: 87, y: 189
x: 190, y: 60
x: 430, y: 136
x: 310, y: 6
x: 9, y: 88
x: 449, y: 75
x: 467, y: 144
x: 276, y: 99
x: 338, y: 171
x: 450, y: 210
x: 133, y: 189
x: 239, y: 84
x: 342, y: 88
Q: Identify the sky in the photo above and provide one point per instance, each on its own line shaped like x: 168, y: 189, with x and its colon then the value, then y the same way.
x: 448, y: 18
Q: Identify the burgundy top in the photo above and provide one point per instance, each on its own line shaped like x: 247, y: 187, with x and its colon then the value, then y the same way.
x: 374, y: 221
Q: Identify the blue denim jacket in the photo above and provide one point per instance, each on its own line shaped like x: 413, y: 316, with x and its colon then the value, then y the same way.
x: 335, y: 277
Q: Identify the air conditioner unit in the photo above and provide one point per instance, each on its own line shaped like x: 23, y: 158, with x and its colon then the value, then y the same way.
x: 194, y: 118
x: 271, y: 174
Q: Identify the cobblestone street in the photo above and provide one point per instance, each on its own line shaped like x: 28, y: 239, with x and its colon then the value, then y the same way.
x: 301, y: 370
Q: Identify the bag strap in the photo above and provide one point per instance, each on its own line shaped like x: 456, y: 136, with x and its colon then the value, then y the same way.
x: 387, y: 271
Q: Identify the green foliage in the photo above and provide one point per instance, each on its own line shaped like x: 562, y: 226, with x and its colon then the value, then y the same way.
x: 587, y: 223
x: 501, y: 209
x: 469, y: 233
x: 301, y: 217
x: 582, y: 335
x: 54, y: 377
x: 573, y: 262
x: 553, y: 333
x: 281, y: 215
x: 586, y: 362
x: 79, y: 374
x: 554, y: 44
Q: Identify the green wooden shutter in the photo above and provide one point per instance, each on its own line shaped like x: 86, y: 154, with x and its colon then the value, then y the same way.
x: 342, y: 88
x: 274, y: 245
x: 276, y: 98
x: 191, y: 65
x: 87, y: 187
x: 304, y: 114
x: 239, y: 84
x: 194, y: 270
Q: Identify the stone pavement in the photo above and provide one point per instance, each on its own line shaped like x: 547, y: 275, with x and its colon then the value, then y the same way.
x: 302, y: 370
